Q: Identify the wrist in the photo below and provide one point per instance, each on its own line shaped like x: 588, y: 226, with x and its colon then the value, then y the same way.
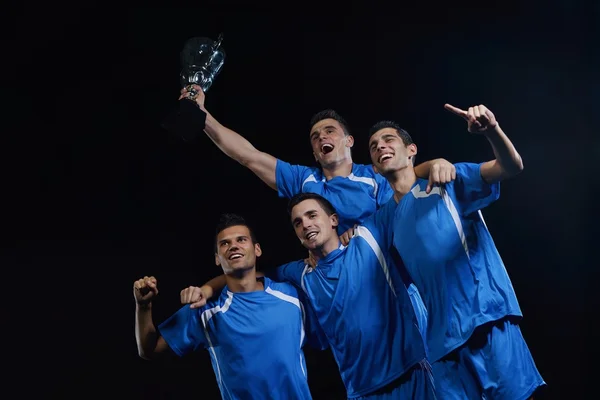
x: 495, y: 131
x: 207, y: 291
x: 144, y: 306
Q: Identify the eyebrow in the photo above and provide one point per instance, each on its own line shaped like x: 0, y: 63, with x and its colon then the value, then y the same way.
x: 386, y: 136
x: 320, y: 129
x: 236, y: 238
x: 306, y: 213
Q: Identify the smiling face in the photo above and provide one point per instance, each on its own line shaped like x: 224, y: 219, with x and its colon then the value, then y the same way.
x: 388, y: 151
x: 236, y: 250
x: 314, y: 227
x: 330, y: 143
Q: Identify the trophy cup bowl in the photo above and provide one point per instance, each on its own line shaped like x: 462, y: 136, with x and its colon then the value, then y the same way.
x: 201, y: 61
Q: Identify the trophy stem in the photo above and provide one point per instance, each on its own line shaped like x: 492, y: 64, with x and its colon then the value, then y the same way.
x: 218, y: 42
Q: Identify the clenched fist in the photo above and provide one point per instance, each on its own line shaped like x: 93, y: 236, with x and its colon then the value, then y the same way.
x: 145, y: 289
x: 195, y: 296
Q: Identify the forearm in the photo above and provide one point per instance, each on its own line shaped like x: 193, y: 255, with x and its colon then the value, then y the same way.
x: 215, y: 285
x: 146, y: 334
x: 228, y: 141
x: 238, y: 148
x: 422, y: 170
x: 508, y: 162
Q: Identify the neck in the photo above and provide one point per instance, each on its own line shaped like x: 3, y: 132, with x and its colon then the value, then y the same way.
x: 402, y: 181
x: 327, y: 248
x: 243, y: 281
x: 340, y: 168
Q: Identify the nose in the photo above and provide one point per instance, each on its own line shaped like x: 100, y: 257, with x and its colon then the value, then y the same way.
x: 233, y: 248
x: 380, y: 146
x: 306, y: 224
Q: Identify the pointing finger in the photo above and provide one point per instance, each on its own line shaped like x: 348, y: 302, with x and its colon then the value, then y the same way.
x: 455, y: 110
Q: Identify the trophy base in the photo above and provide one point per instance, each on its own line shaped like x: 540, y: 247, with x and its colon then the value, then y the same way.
x: 186, y: 122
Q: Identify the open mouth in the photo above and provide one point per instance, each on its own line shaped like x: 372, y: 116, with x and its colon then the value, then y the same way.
x: 311, y: 235
x: 385, y: 157
x: 327, y: 148
x: 235, y: 256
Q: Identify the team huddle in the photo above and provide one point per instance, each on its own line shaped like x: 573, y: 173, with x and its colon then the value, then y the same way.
x: 402, y: 281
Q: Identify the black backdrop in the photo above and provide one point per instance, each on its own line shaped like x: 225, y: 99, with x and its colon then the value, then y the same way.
x: 99, y: 195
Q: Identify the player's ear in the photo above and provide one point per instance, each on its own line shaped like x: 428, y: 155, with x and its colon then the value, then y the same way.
x: 412, y: 149
x: 335, y: 221
x: 349, y: 141
x: 257, y: 250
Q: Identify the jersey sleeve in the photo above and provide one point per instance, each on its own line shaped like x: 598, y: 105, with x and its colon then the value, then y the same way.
x: 291, y: 272
x: 184, y: 331
x: 289, y: 178
x: 472, y: 191
x: 384, y: 190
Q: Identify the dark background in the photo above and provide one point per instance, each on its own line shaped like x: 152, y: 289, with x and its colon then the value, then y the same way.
x: 99, y: 195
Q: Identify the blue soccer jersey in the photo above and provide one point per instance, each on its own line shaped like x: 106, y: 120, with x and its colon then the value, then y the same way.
x: 451, y: 257
x: 254, y: 339
x: 354, y: 197
x: 363, y: 308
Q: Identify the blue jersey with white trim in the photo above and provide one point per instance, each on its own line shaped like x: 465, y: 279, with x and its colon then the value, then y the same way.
x: 451, y: 257
x: 363, y: 308
x: 354, y: 197
x: 254, y: 339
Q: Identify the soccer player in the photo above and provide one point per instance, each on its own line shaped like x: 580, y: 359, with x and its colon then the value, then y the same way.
x: 360, y: 302
x: 254, y: 331
x: 474, y: 341
x: 355, y: 190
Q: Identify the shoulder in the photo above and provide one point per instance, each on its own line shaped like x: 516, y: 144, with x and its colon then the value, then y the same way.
x: 303, y: 168
x: 294, y: 265
x: 466, y: 169
x: 283, y: 287
x: 364, y: 170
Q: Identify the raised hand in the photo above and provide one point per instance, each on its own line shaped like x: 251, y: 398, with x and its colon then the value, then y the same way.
x: 194, y: 295
x: 199, y: 98
x: 145, y: 289
x: 479, y: 118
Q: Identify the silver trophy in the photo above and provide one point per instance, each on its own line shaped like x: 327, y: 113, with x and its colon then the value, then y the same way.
x: 201, y: 62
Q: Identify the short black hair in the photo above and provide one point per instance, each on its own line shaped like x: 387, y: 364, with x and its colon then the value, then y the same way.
x: 227, y: 220
x: 330, y: 114
x: 406, y: 138
x: 323, y: 202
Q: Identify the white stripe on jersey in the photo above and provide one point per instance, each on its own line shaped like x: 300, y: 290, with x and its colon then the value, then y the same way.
x: 368, y: 236
x: 420, y: 194
x: 205, y: 317
x: 296, y: 302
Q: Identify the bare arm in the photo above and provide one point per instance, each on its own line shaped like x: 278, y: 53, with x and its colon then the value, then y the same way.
x: 241, y: 150
x: 439, y: 171
x: 236, y: 146
x: 149, y: 342
x: 508, y: 162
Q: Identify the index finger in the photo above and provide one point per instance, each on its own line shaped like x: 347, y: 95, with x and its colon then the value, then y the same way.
x: 455, y: 110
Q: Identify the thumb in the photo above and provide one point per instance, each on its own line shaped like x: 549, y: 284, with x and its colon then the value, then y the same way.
x: 197, y: 304
x: 429, y: 185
